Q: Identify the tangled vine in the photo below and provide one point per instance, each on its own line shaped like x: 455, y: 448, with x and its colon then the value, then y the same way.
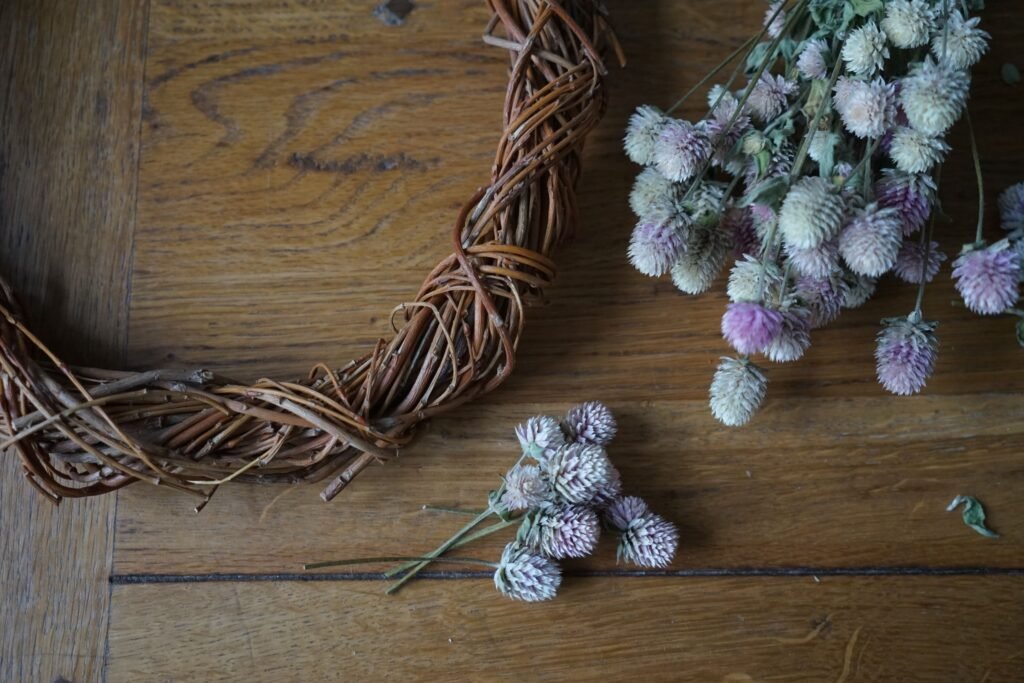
x: 84, y: 431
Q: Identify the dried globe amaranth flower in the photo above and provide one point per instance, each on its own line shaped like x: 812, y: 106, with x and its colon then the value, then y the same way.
x: 649, y: 541
x: 933, y: 96
x: 562, y: 531
x: 524, y: 488
x: 577, y: 472
x: 539, y: 436
x: 681, y: 150
x: 1011, y: 208
x: 870, y: 241
x: 752, y: 280
x: 905, y: 355
x: 591, y: 423
x: 737, y: 391
x: 915, y: 151
x: 525, y: 575
x: 642, y: 133
x: 867, y: 108
x: 960, y: 43
x: 624, y: 510
x: 655, y: 247
x: 908, y: 23
x: 811, y: 213
x: 987, y: 277
x: 699, y: 264
x: 794, y: 337
x: 749, y: 327
x: 865, y: 50
x: 918, y: 262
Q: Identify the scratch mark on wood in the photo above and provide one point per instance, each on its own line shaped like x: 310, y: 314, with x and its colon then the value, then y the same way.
x: 848, y: 657
x: 815, y: 632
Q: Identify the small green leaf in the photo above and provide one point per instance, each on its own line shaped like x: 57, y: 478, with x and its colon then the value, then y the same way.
x: 973, y: 514
x: 862, y: 8
x: 1010, y: 73
x: 769, y: 192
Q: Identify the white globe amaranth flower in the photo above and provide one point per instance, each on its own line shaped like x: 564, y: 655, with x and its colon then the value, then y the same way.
x: 525, y: 488
x: 642, y: 133
x: 914, y: 151
x: 750, y: 278
x: 812, y: 212
x: 649, y: 541
x: 701, y: 261
x: 960, y: 43
x: 737, y: 391
x: 654, y: 247
x: 775, y: 18
x: 870, y: 241
x: 525, y: 575
x: 794, y: 338
x: 654, y: 198
x: 857, y: 290
x: 770, y: 96
x: 933, y: 96
x: 865, y: 50
x: 681, y: 150
x: 577, y: 472
x: 539, y: 436
x: 867, y: 108
x: 590, y: 423
x: 819, y: 261
x: 908, y: 23
x: 812, y: 62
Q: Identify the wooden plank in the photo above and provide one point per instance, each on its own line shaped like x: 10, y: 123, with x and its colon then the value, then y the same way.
x: 734, y: 630
x: 69, y: 121
x: 814, y: 483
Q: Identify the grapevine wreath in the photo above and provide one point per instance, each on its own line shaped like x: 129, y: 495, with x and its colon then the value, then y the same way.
x: 84, y: 431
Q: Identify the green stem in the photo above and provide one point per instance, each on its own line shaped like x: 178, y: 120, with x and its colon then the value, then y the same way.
x: 415, y: 567
x: 979, y: 234
x: 398, y: 558
x: 714, y: 72
x: 487, y: 531
x: 812, y: 127
x: 926, y: 241
x: 454, y: 511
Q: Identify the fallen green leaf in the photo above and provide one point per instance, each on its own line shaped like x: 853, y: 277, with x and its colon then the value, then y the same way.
x: 973, y: 514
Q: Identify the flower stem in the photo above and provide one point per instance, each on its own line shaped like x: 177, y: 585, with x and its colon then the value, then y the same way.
x: 812, y: 127
x: 414, y: 567
x: 926, y: 245
x: 454, y: 511
x: 398, y: 558
x: 979, y: 234
x: 714, y: 72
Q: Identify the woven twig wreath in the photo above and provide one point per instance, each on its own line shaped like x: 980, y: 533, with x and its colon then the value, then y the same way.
x: 82, y: 432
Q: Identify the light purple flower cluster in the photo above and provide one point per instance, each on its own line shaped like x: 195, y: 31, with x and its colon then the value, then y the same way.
x: 820, y: 170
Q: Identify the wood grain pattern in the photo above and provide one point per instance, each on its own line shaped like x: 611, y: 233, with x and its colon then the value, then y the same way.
x: 70, y: 74
x: 721, y: 630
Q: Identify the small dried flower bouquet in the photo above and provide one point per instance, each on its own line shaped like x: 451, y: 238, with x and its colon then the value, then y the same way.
x: 560, y: 494
x: 821, y: 173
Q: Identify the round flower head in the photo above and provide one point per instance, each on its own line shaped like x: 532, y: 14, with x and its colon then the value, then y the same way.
x: 793, y: 339
x: 915, y: 260
x: 561, y: 531
x: 698, y: 266
x: 865, y: 50
x: 624, y: 510
x: 857, y: 290
x: 524, y: 575
x: 704, y: 204
x: 525, y: 489
x: 933, y: 95
x: 654, y: 197
x: 775, y: 18
x: 960, y: 43
x: 819, y: 261
x: 750, y: 327
x: 914, y: 151
x: 769, y: 96
x: 642, y: 133
x: 987, y: 277
x: 750, y: 280
x: 607, y: 492
x: 577, y: 472
x: 905, y: 354
x: 911, y: 195
x: 590, y: 423
x: 870, y: 241
x: 811, y: 213
x: 1011, y: 208
x: 681, y: 150
x: 539, y: 436
x: 724, y: 132
x: 812, y: 62
x: 823, y: 144
x: 908, y: 23
x: 737, y: 391
x: 740, y: 224
x: 867, y: 108
x: 654, y: 247
x: 649, y: 541
x: 764, y: 217
x: 823, y: 297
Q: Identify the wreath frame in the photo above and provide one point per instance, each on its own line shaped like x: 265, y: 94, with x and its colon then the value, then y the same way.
x: 87, y: 431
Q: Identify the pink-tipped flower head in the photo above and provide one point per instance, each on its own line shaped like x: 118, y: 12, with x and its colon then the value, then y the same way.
x: 624, y: 510
x: 824, y: 298
x: 749, y: 327
x: 912, y: 195
x: 865, y: 50
x: 917, y: 261
x: 987, y: 277
x: 960, y: 43
x: 607, y: 492
x: 871, y: 239
x: 649, y: 541
x: 525, y: 488
x: 654, y: 247
x: 812, y: 62
x: 578, y: 472
x: 867, y: 108
x: 1011, y: 208
x: 793, y: 339
x: 590, y: 423
x: 525, y: 575
x: 561, y: 531
x: 775, y: 18
x: 819, y: 261
x: 681, y: 150
x: 905, y: 354
x: 642, y: 133
x: 539, y: 436
x: 770, y: 96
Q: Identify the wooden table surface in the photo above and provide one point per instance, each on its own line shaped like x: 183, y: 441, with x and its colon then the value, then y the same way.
x: 251, y: 185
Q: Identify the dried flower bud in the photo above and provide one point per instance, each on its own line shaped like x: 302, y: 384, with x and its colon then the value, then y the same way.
x: 823, y: 297
x: 524, y: 575
x: 868, y: 108
x: 812, y: 62
x: 770, y: 96
x: 525, y: 488
x: 905, y: 355
x: 562, y: 531
x: 654, y: 247
x: 911, y: 195
x: 987, y: 278
x: 624, y: 510
x: 642, y: 133
x: 578, y: 472
x: 857, y: 289
x: 699, y: 264
x: 737, y: 391
x: 1011, y: 208
x: 649, y: 541
x: 590, y: 423
x: 752, y: 280
x: 654, y: 198
x: 607, y: 492
x: 915, y: 151
x: 819, y: 261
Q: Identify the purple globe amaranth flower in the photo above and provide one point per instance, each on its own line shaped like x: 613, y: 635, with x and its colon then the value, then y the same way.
x: 539, y: 436
x: 681, y: 150
x: 578, y: 472
x: 562, y: 531
x: 769, y: 96
x: 524, y: 575
x: 607, y: 492
x: 1011, y: 208
x: 871, y: 239
x: 624, y: 510
x: 590, y: 423
x: 819, y: 261
x: 649, y: 541
x: 525, y: 489
x: 740, y: 225
x: 917, y: 261
x: 824, y: 298
x: 750, y: 327
x: 654, y: 247
x: 987, y: 277
x: 905, y: 354
x: 911, y: 195
x: 793, y: 339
